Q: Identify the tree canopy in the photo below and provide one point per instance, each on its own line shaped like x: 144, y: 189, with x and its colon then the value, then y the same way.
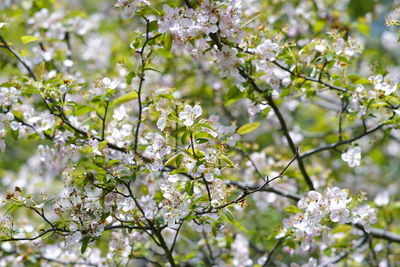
x: 199, y: 133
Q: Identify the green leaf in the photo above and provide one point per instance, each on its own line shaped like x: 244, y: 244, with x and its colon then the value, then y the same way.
x: 168, y: 41
x: 85, y: 242
x: 228, y: 161
x: 130, y: 76
x: 204, y: 135
x: 39, y: 70
x: 125, y: 98
x: 234, y: 94
x: 189, y: 188
x: 228, y: 215
x: 292, y: 209
x: 28, y: 39
x: 248, y: 128
x: 153, y: 25
x: 179, y: 170
x: 175, y: 161
x: 201, y: 141
x: 82, y: 110
x: 102, y: 145
x: 112, y: 162
x: 165, y: 53
x: 132, y: 178
x: 319, y: 25
x: 342, y: 228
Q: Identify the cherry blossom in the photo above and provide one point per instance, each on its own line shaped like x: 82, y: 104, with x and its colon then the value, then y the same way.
x: 352, y: 156
x: 190, y: 113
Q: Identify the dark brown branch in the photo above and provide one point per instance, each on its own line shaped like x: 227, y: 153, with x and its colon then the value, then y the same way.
x: 35, y: 237
x: 247, y: 192
x: 282, y: 122
x: 6, y: 46
x: 176, y: 236
x: 269, y: 258
x: 345, y: 254
x: 333, y: 87
x: 334, y: 145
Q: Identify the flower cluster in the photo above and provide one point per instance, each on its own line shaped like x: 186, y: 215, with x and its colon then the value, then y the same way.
x: 388, y: 84
x: 188, y: 24
x: 334, y: 204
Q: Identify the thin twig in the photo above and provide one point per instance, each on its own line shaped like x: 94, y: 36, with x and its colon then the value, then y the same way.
x: 6, y: 46
x: 277, y: 245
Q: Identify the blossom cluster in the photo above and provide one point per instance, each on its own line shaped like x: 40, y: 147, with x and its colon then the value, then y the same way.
x: 335, y: 205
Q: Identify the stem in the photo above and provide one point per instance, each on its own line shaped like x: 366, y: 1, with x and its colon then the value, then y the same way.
x: 6, y: 46
x: 104, y: 121
x: 290, y: 141
x: 269, y: 258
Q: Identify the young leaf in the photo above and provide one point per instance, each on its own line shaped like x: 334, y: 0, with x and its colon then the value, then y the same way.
x: 248, y: 128
x: 189, y: 188
x: 28, y: 39
x: 125, y: 98
x: 85, y: 242
x: 168, y: 41
x: 292, y: 209
x: 228, y: 215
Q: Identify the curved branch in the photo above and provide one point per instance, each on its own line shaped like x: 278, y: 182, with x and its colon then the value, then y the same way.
x: 246, y: 192
x: 333, y: 87
x: 334, y: 145
x: 32, y: 238
x: 6, y: 46
x: 284, y: 127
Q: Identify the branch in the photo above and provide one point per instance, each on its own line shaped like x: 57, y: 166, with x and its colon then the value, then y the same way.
x: 32, y: 238
x: 269, y: 258
x: 334, y: 145
x: 176, y: 236
x: 143, y: 60
x: 344, y: 254
x: 290, y: 195
x: 333, y: 87
x: 246, y: 192
x: 282, y: 122
x: 6, y: 46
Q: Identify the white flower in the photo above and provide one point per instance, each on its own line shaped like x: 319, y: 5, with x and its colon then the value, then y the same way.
x: 365, y: 216
x: 321, y: 46
x: 173, y: 178
x: 382, y: 198
x: 312, y: 203
x: 150, y: 209
x: 352, y: 156
x: 334, y: 204
x: 388, y: 84
x: 120, y: 113
x: 241, y: 252
x: 162, y: 121
x: 190, y: 114
x: 227, y: 60
x: 206, y: 227
x: 129, y: 10
x: 359, y: 88
x: 108, y: 83
x: 340, y: 43
x: 8, y: 96
x: 267, y: 50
